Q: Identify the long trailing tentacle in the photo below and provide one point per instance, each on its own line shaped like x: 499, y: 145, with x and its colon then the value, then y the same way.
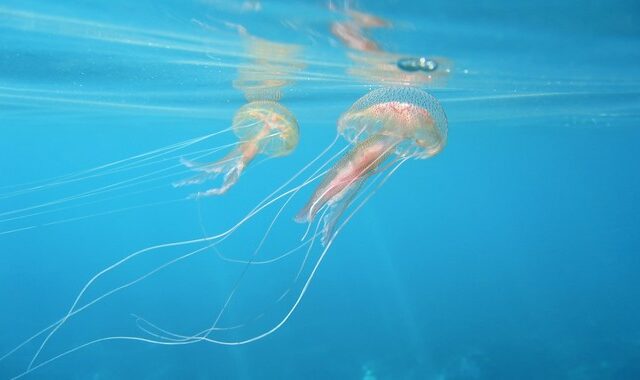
x: 102, y: 194
x: 202, y: 335
x: 216, y: 238
x: 74, y: 309
x: 105, y: 169
x: 294, y: 306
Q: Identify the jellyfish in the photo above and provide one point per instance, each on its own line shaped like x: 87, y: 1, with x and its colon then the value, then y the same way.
x: 383, y: 129
x: 264, y: 127
x: 404, y: 122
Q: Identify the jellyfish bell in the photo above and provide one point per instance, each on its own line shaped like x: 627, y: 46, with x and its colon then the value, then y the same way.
x: 263, y: 127
x: 408, y: 115
x: 269, y: 125
x: 404, y: 122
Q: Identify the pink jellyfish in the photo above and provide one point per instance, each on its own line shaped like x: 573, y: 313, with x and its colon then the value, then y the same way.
x: 264, y: 127
x: 404, y: 122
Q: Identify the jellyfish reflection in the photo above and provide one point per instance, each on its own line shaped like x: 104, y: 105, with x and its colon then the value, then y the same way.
x: 353, y: 32
x: 272, y: 67
x: 367, y: 20
x: 374, y: 64
x: 264, y: 127
x: 403, y: 121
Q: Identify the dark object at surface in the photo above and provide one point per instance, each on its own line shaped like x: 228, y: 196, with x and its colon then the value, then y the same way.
x: 417, y: 63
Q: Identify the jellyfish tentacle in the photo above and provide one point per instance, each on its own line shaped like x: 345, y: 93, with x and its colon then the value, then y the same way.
x: 203, y: 335
x: 76, y: 308
x: 336, y: 208
x: 196, y: 180
x: 277, y: 326
x: 199, y: 166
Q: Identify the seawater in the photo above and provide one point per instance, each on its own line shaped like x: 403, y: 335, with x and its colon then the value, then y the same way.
x: 513, y: 254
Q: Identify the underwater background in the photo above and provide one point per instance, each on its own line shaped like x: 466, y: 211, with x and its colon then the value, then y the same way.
x: 512, y: 254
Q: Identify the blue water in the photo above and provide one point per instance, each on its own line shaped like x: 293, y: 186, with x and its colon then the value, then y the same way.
x: 513, y: 254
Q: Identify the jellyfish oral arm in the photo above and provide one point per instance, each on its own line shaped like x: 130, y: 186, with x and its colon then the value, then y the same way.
x: 232, y: 165
x: 350, y: 171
